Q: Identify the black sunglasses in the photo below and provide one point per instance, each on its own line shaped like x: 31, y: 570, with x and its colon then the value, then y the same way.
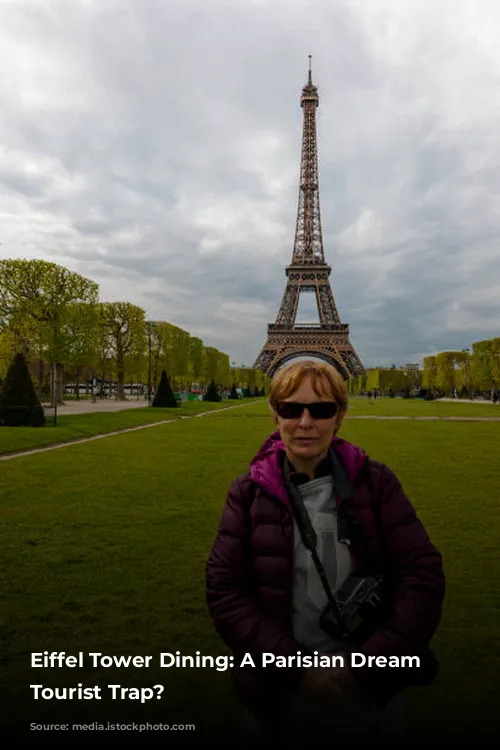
x: 317, y: 410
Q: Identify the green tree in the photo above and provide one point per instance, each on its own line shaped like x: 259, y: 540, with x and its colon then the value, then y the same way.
x: 19, y: 404
x: 156, y: 333
x: 37, y: 295
x: 196, y: 358
x: 495, y: 362
x: 174, y: 349
x: 123, y: 329
x: 372, y: 379
x: 223, y: 370
x: 181, y: 340
x: 105, y: 361
x: 81, y: 330
x: 8, y: 349
x: 445, y: 375
x: 392, y: 379
x: 463, y: 377
x: 429, y: 378
x: 211, y: 363
x: 482, y: 371
x: 170, y: 347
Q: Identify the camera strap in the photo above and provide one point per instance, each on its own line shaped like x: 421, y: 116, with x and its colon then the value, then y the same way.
x: 307, y: 532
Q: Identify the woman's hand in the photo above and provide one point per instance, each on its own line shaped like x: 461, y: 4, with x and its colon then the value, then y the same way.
x: 327, y: 683
x: 334, y: 683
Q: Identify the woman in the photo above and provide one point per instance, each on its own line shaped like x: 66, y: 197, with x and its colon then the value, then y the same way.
x: 265, y: 592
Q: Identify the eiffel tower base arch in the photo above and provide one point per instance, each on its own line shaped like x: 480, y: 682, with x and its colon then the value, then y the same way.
x: 326, y: 356
x: 334, y: 348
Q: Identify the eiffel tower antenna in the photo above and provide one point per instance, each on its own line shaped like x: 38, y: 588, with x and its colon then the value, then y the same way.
x: 309, y: 272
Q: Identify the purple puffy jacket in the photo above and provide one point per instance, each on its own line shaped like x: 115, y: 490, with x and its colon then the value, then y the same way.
x: 249, y: 574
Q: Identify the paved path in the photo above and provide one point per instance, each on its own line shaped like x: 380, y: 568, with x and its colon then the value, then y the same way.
x: 466, y: 400
x: 86, y: 405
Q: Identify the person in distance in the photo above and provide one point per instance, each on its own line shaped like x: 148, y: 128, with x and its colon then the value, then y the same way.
x: 311, y: 519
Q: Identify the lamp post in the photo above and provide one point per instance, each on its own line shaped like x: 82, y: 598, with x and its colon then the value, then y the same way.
x: 149, y: 326
x: 466, y: 368
x: 232, y: 367
x: 149, y: 363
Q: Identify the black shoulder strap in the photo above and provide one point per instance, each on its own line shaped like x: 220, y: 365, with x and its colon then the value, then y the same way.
x: 347, y: 522
x: 309, y: 538
x: 343, y: 484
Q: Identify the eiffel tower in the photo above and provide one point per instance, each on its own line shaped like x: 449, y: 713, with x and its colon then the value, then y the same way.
x: 309, y: 272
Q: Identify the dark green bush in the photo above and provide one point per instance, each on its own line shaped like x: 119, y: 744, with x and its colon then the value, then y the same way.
x: 212, y: 393
x: 19, y: 404
x: 164, y: 396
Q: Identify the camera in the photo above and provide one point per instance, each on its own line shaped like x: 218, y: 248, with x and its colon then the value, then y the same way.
x: 359, y: 606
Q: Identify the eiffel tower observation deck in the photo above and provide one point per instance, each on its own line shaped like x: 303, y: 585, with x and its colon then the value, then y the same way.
x: 308, y: 272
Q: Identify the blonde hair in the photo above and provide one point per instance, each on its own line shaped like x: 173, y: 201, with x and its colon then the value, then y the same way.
x: 325, y: 380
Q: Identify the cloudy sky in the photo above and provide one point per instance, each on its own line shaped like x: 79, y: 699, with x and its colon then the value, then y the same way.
x: 153, y: 146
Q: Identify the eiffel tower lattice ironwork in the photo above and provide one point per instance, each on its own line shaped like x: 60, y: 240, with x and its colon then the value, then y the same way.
x: 308, y: 272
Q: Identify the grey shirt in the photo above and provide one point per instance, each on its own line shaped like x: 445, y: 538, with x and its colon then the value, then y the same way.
x: 309, y: 597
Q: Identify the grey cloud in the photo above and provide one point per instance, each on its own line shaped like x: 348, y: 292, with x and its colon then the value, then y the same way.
x: 168, y: 141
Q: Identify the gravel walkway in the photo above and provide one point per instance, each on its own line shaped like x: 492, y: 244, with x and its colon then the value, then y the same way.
x: 86, y: 405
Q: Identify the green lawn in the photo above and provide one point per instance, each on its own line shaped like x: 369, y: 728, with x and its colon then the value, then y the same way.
x: 419, y: 408
x: 76, y: 426
x: 104, y: 545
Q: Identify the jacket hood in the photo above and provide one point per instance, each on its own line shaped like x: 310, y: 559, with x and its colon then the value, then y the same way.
x: 265, y: 467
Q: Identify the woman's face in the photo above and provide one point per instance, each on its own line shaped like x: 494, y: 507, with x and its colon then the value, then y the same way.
x: 306, y: 439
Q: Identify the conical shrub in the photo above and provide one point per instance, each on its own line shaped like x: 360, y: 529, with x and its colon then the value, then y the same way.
x: 19, y: 404
x: 164, y: 396
x: 212, y: 393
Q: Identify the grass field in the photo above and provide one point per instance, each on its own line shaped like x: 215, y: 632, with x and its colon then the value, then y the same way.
x: 103, y: 549
x: 419, y: 408
x: 77, y: 426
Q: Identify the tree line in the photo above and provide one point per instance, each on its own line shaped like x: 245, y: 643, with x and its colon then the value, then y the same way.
x: 53, y: 316
x: 463, y: 373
